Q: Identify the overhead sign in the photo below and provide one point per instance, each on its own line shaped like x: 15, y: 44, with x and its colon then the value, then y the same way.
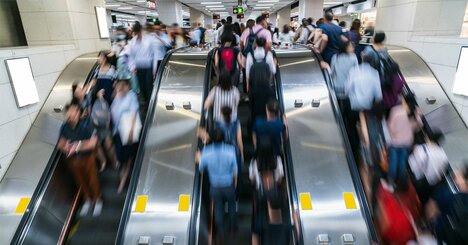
x: 151, y: 4
x: 238, y: 10
x: 460, y: 86
x: 216, y: 17
x: 240, y: 16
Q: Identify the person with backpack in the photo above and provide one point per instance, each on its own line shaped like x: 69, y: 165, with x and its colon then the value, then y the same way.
x: 260, y: 60
x: 303, y: 33
x: 223, y: 94
x: 244, y: 37
x: 266, y: 173
x: 259, y: 30
x: 227, y: 56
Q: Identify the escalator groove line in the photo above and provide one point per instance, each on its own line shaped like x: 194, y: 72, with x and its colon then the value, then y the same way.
x: 66, y: 228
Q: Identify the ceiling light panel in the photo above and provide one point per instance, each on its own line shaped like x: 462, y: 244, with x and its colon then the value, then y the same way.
x: 113, y: 5
x: 210, y: 3
x: 215, y: 6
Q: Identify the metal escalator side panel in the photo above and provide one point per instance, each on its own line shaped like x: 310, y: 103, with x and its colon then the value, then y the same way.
x: 167, y: 154
x: 34, y: 164
x: 318, y: 152
x: 441, y: 115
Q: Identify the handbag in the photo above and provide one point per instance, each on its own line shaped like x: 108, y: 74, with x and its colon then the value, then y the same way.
x: 129, y: 128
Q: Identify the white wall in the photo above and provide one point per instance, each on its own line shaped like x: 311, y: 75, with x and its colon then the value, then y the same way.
x: 432, y: 30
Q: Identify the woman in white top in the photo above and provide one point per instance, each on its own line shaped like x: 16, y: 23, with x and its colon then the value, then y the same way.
x: 259, y: 54
x: 223, y: 94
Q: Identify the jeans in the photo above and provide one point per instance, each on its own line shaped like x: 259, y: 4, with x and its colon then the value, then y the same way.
x: 221, y: 195
x: 397, y: 163
x: 145, y: 81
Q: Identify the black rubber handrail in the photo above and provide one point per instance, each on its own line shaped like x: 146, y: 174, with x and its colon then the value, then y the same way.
x: 355, y: 176
x: 288, y: 165
x: 197, y: 187
x: 141, y: 151
x: 39, y: 192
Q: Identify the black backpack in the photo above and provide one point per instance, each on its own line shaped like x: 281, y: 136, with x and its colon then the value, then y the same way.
x: 387, y: 68
x: 456, y: 228
x: 249, y: 46
x: 259, y: 67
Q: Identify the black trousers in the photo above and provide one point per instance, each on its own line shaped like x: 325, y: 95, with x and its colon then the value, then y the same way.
x: 145, y: 80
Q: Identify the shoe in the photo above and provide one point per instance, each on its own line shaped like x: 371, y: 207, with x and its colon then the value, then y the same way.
x: 103, y: 166
x: 97, y: 208
x: 85, y: 208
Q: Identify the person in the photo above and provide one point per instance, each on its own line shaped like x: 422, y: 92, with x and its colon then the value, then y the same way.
x: 260, y: 93
x: 286, y: 37
x: 105, y: 76
x: 216, y: 34
x: 228, y: 21
x: 142, y: 60
x: 162, y: 43
x: 209, y: 36
x: 266, y: 173
x: 354, y: 36
x: 260, y: 60
x: 227, y: 57
x: 259, y: 30
x: 196, y: 35
x: 303, y: 33
x: 120, y: 42
x: 378, y: 51
x: 275, y: 34
x: 237, y: 32
x: 243, y: 41
x: 179, y: 38
x: 232, y: 131
x: 77, y: 142
x: 315, y: 37
x: 272, y: 126
x: 341, y: 64
x: 219, y: 160
x: 126, y: 117
x: 101, y: 119
x: 331, y: 37
x: 223, y: 94
x: 242, y: 28
x: 402, y: 123
x: 370, y: 29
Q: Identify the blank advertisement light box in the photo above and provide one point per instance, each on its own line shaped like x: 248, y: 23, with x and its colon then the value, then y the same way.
x: 22, y: 80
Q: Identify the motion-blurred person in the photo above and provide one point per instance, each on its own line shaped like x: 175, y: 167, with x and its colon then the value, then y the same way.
x: 210, y: 36
x: 228, y: 21
x: 101, y: 119
x: 127, y: 126
x: 275, y: 36
x: 244, y: 40
x: 370, y: 28
x: 219, y: 160
x: 105, y: 76
x: 143, y: 61
x: 242, y: 28
x: 163, y: 43
x: 272, y: 126
x: 354, y: 35
x: 266, y: 173
x: 331, y: 37
x: 78, y: 142
x: 260, y: 93
x: 223, y: 94
x: 227, y: 57
x: 303, y: 33
x: 260, y: 60
x: 315, y: 37
x: 179, y: 40
x: 196, y: 35
x: 286, y: 36
x: 120, y: 40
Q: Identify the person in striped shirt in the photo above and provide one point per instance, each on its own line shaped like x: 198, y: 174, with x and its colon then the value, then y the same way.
x: 223, y: 94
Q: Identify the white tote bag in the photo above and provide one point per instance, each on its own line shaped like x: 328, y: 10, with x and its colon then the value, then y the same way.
x: 128, y: 121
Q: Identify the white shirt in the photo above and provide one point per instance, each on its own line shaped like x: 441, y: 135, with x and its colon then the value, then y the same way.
x: 428, y: 160
x: 162, y: 43
x: 254, y: 174
x: 196, y: 35
x: 259, y: 54
x: 363, y: 87
x: 143, y: 53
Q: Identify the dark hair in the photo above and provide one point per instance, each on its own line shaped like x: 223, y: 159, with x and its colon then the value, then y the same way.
x: 106, y: 53
x: 260, y: 42
x: 226, y: 111
x: 273, y: 106
x: 218, y: 25
x: 337, y: 20
x: 260, y: 19
x: 250, y: 23
x: 229, y: 19
x: 236, y: 28
x: 319, y: 22
x: 217, y: 135
x: 137, y: 27
x: 286, y: 28
x: 356, y: 26
x: 266, y: 159
x: 223, y: 21
x: 342, y: 24
x: 328, y: 16
x: 225, y: 80
x: 310, y: 20
x: 304, y: 22
x: 342, y: 46
x: 379, y: 37
x: 437, y: 137
x: 227, y: 35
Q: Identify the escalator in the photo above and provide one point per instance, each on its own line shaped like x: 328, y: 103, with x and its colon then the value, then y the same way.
x: 52, y: 216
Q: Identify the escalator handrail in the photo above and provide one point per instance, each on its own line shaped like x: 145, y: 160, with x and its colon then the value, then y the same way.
x: 39, y: 192
x: 358, y: 186
x: 197, y: 187
x: 141, y: 150
x: 288, y: 165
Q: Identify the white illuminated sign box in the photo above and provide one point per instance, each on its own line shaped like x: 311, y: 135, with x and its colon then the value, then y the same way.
x: 102, y: 22
x: 460, y: 86
x: 22, y: 81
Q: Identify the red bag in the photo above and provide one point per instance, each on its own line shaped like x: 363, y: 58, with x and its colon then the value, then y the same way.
x: 393, y: 220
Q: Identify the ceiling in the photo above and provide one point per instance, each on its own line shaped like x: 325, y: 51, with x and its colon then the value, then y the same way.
x: 222, y: 7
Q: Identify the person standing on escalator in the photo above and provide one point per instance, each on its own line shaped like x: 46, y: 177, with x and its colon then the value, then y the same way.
x: 227, y: 56
x: 78, y: 142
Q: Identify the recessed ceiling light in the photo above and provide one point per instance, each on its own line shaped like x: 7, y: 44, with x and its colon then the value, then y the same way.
x: 264, y: 5
x: 210, y: 3
x: 141, y: 1
x: 268, y: 1
x: 215, y: 6
x: 125, y: 8
x: 113, y: 5
x: 261, y: 7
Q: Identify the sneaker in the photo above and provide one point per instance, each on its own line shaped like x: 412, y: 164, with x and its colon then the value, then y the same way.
x: 97, y: 208
x: 85, y: 208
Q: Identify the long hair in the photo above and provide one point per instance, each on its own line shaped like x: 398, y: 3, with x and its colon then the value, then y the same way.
x: 356, y: 26
x: 225, y: 80
x: 226, y: 111
x: 266, y: 158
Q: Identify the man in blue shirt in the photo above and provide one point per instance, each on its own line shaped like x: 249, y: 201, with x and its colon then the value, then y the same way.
x: 271, y: 126
x: 332, y: 36
x: 219, y: 160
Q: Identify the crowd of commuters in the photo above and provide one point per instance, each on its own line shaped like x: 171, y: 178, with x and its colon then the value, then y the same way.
x: 403, y: 168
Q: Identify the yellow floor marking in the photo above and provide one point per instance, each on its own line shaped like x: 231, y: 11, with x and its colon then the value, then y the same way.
x: 349, y: 200
x: 306, y: 201
x: 73, y: 229
x: 323, y: 147
x: 22, y: 205
x: 141, y: 204
x: 184, y: 203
